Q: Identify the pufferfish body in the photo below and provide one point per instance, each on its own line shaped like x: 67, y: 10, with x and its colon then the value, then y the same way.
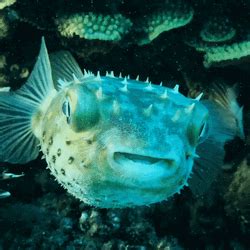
x: 113, y: 141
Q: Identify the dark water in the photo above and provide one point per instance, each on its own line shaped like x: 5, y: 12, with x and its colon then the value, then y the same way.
x: 39, y: 214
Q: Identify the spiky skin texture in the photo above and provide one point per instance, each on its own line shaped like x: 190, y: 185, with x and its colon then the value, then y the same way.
x: 94, y: 26
x: 126, y: 142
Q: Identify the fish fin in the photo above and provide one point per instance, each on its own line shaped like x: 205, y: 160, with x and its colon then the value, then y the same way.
x: 18, y: 144
x: 39, y: 83
x: 65, y: 69
x: 224, y: 123
x: 207, y: 167
x: 226, y: 97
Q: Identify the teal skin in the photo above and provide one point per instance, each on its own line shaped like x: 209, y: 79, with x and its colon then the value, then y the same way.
x: 112, y: 141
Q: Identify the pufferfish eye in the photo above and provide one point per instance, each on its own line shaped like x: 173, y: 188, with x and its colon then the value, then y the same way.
x: 66, y: 109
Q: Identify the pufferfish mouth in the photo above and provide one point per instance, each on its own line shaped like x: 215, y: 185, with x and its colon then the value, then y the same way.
x: 146, y: 170
x: 137, y: 160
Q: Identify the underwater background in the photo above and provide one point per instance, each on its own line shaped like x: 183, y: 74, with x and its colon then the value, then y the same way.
x: 191, y: 43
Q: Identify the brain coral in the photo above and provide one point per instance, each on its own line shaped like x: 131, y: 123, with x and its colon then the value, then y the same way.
x: 217, y: 29
x: 175, y: 14
x: 94, y: 26
x: 226, y: 54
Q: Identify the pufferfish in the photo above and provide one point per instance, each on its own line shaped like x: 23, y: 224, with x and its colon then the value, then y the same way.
x: 112, y: 141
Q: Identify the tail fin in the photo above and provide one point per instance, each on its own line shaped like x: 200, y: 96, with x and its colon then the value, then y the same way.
x: 225, y: 122
x: 17, y: 141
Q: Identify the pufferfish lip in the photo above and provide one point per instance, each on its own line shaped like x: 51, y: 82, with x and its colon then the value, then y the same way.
x: 140, y: 160
x: 148, y: 169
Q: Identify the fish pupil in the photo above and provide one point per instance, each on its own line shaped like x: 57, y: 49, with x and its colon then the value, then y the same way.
x: 66, y: 110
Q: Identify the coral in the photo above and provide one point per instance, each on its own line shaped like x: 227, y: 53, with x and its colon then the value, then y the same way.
x: 6, y: 3
x: 170, y: 243
x: 175, y: 14
x: 4, y: 27
x: 217, y: 29
x: 2, y: 61
x: 94, y: 26
x: 3, y: 80
x: 226, y: 54
x: 237, y: 198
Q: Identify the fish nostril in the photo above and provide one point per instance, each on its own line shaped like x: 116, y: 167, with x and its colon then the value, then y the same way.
x: 170, y: 162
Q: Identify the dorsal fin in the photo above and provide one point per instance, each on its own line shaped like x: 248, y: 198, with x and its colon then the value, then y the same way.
x: 39, y: 83
x: 18, y: 144
x: 64, y: 68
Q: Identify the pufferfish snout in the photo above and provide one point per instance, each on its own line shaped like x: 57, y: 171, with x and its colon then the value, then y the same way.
x: 112, y: 141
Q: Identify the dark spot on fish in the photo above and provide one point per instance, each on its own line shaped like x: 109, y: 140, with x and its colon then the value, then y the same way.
x: 62, y: 171
x: 82, y: 164
x: 56, y: 172
x: 47, y: 151
x: 50, y: 141
x: 187, y: 156
x: 69, y: 184
x: 89, y: 142
x: 43, y: 136
x: 53, y: 158
x: 68, y: 142
x: 59, y: 152
x: 70, y: 160
x: 98, y: 200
